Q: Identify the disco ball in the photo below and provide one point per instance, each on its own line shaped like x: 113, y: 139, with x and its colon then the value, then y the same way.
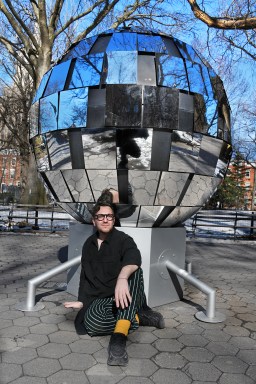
x: 137, y: 111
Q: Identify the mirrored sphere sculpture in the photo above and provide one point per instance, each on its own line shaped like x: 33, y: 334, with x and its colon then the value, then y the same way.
x: 137, y: 111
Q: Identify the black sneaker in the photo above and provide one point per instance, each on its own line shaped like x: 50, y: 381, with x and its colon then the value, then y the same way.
x: 117, y: 354
x: 149, y: 318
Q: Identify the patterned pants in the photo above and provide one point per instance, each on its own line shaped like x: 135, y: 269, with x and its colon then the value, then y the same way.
x: 102, y: 315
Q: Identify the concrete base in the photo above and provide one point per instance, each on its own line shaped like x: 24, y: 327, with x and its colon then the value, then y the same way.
x: 156, y: 246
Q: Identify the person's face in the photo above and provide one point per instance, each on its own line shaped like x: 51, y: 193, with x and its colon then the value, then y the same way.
x: 104, y: 224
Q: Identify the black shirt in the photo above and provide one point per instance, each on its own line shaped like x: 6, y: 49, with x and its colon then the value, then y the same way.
x: 101, y: 267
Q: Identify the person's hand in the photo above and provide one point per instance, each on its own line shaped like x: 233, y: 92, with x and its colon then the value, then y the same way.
x: 73, y: 304
x: 122, y: 294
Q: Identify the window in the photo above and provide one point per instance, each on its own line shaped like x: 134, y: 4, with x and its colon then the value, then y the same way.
x: 247, y: 173
x: 13, y: 162
x: 12, y: 173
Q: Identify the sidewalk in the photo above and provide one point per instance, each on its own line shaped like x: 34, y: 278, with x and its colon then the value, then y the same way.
x: 43, y: 347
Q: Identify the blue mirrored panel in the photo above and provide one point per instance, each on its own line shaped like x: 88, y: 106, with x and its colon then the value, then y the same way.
x: 100, y: 44
x: 122, y: 68
x: 211, y: 115
x: 33, y: 119
x: 123, y: 41
x: 59, y: 150
x: 99, y: 148
x: 87, y: 71
x: 96, y: 108
x: 171, y: 72
x: 170, y: 188
x: 40, y: 151
x: 195, y: 78
x: 146, y: 70
x: 41, y: 87
x: 73, y: 108
x: 48, y: 113
x: 148, y: 216
x: 161, y: 107
x: 185, y: 149
x: 144, y: 186
x: 80, y: 49
x: 207, y: 82
x: 171, y: 47
x: 199, y: 190
x: 123, y: 107
x: 78, y: 185
x: 149, y: 43
x: 208, y: 156
x: 200, y: 119
x: 58, y: 78
x: 128, y: 215
x: 187, y: 51
x: 102, y: 179
x: 178, y: 216
x: 59, y: 186
x: 134, y: 148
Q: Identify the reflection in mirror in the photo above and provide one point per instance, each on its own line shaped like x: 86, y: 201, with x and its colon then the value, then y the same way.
x: 58, y: 78
x: 128, y: 215
x: 208, y: 156
x: 195, y: 79
x: 148, y: 215
x: 134, y: 148
x: 41, y: 88
x: 151, y: 43
x: 144, y: 186
x: 171, y: 47
x: 80, y: 49
x: 122, y: 68
x: 170, y: 188
x: 199, y: 190
x: 48, y: 113
x: 171, y: 72
x: 87, y: 71
x: 224, y: 121
x: 123, y: 41
x: 211, y: 115
x: 99, y: 148
x: 146, y: 70
x: 178, y: 216
x: 58, y: 184
x: 101, y: 44
x: 102, y: 179
x: 33, y: 119
x: 200, y: 121
x: 186, y: 102
x: 73, y: 108
x: 96, y: 108
x: 40, y: 150
x: 184, y: 151
x: 59, y: 151
x: 78, y: 185
x: 79, y: 211
x: 187, y: 51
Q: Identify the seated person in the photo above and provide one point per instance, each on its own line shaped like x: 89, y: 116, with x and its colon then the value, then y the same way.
x: 111, y: 294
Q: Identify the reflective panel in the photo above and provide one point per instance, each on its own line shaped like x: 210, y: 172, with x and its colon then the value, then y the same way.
x: 200, y: 120
x: 121, y: 68
x: 146, y: 70
x: 59, y: 186
x: 48, y: 113
x: 128, y: 215
x: 41, y: 88
x: 40, y: 151
x: 79, y: 211
x: 73, y: 108
x: 186, y: 102
x: 99, y: 147
x: 171, y: 47
x: 149, y: 43
x: 184, y: 151
x: 101, y: 44
x: 96, y: 108
x: 178, y: 216
x: 161, y: 139
x: 148, y: 216
x: 123, y: 41
x: 33, y: 120
x: 161, y: 107
x: 211, y: 115
x: 102, y: 179
x: 171, y: 72
x: 170, y: 188
x: 58, y: 78
x: 134, y: 148
x: 80, y: 49
x: 78, y: 185
x: 187, y: 51
x: 123, y: 105
x: 87, y: 71
x: 195, y: 79
x: 207, y: 82
x: 208, y: 156
x: 186, y: 121
x: 199, y: 190
x: 224, y: 124
x: 59, y: 151
x: 144, y: 186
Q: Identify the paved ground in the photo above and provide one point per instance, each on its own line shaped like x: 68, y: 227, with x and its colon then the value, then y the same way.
x: 43, y: 348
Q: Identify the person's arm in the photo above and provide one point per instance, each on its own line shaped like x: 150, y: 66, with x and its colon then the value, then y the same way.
x: 73, y: 304
x: 122, y: 293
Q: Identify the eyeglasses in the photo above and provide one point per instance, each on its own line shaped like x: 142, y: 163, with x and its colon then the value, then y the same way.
x: 102, y: 216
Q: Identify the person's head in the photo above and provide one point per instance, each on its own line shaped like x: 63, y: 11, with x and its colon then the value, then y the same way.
x: 103, y: 216
x: 109, y: 194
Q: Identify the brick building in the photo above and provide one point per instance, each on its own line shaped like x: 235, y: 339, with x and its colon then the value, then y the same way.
x: 10, y: 169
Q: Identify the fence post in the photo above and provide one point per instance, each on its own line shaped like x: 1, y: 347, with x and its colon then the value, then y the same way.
x: 235, y: 225
x: 252, y: 225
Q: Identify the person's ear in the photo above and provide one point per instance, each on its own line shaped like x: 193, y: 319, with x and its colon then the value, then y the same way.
x: 93, y: 222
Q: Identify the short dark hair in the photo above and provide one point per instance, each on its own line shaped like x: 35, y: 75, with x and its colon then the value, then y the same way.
x: 100, y: 204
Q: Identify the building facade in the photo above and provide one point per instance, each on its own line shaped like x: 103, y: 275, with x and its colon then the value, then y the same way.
x: 10, y: 170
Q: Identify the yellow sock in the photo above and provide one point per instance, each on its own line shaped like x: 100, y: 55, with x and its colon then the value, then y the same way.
x: 122, y: 326
x: 137, y: 318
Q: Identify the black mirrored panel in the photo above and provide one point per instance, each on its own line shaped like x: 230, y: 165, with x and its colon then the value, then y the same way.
x: 58, y: 78
x: 187, y: 51
x: 186, y: 102
x: 146, y: 70
x: 96, y: 108
x: 41, y: 88
x: 102, y: 179
x: 148, y: 215
x: 200, y: 119
x: 134, y: 148
x: 170, y: 188
x: 171, y: 72
x: 161, y: 107
x: 40, y: 151
x: 186, y: 121
x: 171, y: 47
x: 161, y: 139
x: 99, y: 148
x: 224, y: 124
x: 80, y: 49
x: 128, y: 215
x: 59, y: 150
x: 79, y: 211
x: 48, y: 113
x: 211, y: 115
x: 123, y: 105
x: 122, y: 68
x: 59, y: 186
x: 144, y: 186
x: 123, y: 41
x: 87, y: 71
x: 199, y: 190
x: 33, y: 119
x: 185, y: 149
x: 195, y: 78
x: 78, y: 185
x: 149, y: 43
x: 225, y: 153
x: 178, y: 216
x: 208, y: 156
x: 73, y: 108
x: 101, y: 44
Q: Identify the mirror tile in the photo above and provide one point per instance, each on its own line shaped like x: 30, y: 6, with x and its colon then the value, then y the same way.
x: 40, y: 151
x: 78, y: 185
x: 87, y: 71
x: 73, y: 108
x: 48, y: 114
x: 144, y: 186
x: 121, y: 67
x: 171, y: 72
x: 58, y: 184
x: 185, y: 149
x: 170, y: 188
x: 102, y: 179
x: 57, y: 78
x: 59, y: 150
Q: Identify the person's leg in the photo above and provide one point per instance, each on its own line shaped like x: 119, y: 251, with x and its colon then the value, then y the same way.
x: 100, y: 317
